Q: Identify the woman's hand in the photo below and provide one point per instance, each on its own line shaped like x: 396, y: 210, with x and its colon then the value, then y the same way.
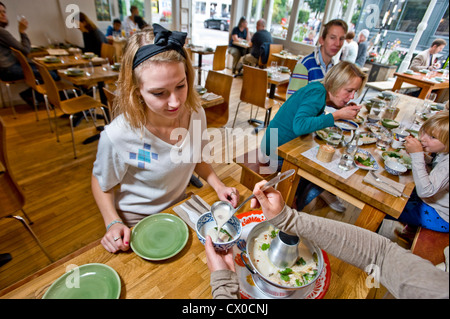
x: 270, y: 200
x: 228, y: 194
x: 216, y: 260
x: 413, y: 145
x: 117, y: 238
x: 347, y: 112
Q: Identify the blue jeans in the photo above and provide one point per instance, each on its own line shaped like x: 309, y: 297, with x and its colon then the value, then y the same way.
x: 418, y: 213
x: 306, y: 191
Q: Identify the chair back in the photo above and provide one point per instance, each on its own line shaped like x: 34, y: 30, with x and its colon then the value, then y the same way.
x: 110, y: 96
x: 28, y: 73
x: 254, y: 86
x: 219, y: 57
x: 50, y: 86
x: 274, y: 48
x: 108, y: 52
x: 11, y: 196
x: 218, y: 83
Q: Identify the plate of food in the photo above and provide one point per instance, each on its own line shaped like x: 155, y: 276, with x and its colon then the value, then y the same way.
x: 403, y: 159
x: 346, y: 125
x: 332, y: 135
x: 374, y: 128
x: 364, y: 160
x: 74, y: 72
x: 359, y: 120
x: 367, y: 138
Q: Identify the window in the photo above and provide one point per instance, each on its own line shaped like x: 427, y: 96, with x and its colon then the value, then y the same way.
x: 200, y: 7
x: 256, y: 13
x: 281, y: 14
x: 442, y: 29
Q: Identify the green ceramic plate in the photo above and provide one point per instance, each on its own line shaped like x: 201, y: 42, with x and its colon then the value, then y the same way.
x: 90, y: 281
x: 159, y: 236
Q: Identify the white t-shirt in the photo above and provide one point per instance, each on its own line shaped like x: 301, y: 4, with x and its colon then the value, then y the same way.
x: 129, y: 25
x: 349, y: 51
x: 152, y: 174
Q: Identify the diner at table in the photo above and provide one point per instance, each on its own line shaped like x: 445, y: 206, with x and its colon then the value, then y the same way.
x: 150, y: 177
x: 239, y: 33
x: 303, y: 113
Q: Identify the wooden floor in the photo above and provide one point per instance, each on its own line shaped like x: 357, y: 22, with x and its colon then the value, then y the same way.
x: 58, y: 193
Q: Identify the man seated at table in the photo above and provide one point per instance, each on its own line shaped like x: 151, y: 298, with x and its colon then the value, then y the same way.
x: 314, y: 66
x: 425, y: 59
x: 261, y: 36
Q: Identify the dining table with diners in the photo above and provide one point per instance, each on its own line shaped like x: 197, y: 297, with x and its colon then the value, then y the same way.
x: 374, y: 175
x: 167, y: 260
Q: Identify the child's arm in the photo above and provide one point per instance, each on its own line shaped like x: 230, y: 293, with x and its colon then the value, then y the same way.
x: 428, y: 184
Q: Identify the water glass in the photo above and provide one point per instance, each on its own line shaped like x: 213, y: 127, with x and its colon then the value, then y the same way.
x: 384, y: 139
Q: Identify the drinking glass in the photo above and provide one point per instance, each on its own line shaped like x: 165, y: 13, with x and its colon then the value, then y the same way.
x: 274, y: 68
x: 429, y: 99
x: 384, y: 139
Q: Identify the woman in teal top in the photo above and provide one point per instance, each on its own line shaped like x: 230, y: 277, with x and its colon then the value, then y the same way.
x: 303, y: 112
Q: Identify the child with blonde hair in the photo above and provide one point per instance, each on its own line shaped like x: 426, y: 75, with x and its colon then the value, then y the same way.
x: 428, y: 206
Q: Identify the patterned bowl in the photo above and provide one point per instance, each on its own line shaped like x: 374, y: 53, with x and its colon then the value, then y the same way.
x: 394, y: 167
x: 207, y: 222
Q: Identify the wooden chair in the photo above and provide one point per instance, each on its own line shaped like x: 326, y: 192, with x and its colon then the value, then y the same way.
x: 110, y: 96
x: 274, y: 48
x: 12, y: 198
x: 32, y: 82
x: 430, y: 245
x: 252, y: 169
x: 8, y: 91
x: 72, y: 106
x: 254, y: 91
x: 217, y: 115
x: 108, y: 51
x: 219, y: 57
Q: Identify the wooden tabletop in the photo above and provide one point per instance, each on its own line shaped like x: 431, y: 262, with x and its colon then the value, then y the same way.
x: 421, y: 81
x: 209, y: 103
x: 68, y: 62
x: 242, y: 44
x: 288, y: 56
x: 185, y: 275
x: 99, y: 75
x: 374, y: 203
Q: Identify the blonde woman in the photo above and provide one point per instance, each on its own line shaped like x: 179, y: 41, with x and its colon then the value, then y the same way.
x: 303, y: 112
x: 148, y: 153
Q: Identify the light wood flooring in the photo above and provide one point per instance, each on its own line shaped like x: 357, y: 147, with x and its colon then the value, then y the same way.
x: 58, y: 192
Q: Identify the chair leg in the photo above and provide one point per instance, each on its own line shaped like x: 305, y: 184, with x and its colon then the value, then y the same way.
x: 235, y: 115
x: 8, y: 89
x: 56, y: 124
x: 47, y: 108
x: 24, y: 223
x: 35, y: 103
x: 105, y: 116
x: 73, y: 136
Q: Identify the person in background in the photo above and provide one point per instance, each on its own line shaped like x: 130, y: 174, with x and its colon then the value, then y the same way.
x: 116, y: 28
x: 428, y: 206
x: 350, y: 48
x: 147, y: 154
x: 129, y: 24
x: 309, y: 38
x: 405, y: 275
x: 314, y: 66
x: 10, y: 68
x: 261, y: 36
x: 303, y: 113
x: 140, y: 22
x: 426, y: 59
x: 240, y: 32
x: 92, y: 36
x: 363, y: 45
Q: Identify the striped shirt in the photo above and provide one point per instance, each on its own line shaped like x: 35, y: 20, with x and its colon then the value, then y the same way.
x: 310, y: 69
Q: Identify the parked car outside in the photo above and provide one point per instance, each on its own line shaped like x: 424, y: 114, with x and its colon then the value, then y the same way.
x: 216, y: 22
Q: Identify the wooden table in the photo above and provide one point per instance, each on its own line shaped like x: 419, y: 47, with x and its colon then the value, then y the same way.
x: 185, y: 275
x: 201, y: 51
x: 68, y: 62
x: 374, y: 203
x: 214, y: 102
x: 97, y: 77
x: 420, y: 80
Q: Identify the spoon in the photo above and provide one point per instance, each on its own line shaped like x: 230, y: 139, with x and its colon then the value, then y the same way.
x: 223, y: 211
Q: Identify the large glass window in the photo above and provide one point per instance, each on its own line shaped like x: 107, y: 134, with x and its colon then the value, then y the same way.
x: 256, y: 13
x: 442, y: 29
x: 281, y: 14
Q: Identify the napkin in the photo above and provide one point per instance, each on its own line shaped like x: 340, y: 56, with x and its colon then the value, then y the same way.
x: 209, y: 96
x: 193, y: 206
x: 392, y: 187
x: 57, y: 52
